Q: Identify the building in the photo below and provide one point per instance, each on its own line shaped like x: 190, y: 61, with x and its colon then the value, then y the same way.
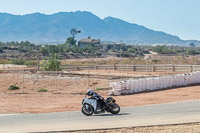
x: 83, y: 43
x: 154, y: 45
x: 114, y: 46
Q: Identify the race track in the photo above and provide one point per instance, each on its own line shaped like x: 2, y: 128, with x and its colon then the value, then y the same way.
x: 170, y: 113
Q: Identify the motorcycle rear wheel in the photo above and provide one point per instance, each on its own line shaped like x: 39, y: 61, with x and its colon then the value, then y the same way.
x: 87, y: 110
x: 114, y: 108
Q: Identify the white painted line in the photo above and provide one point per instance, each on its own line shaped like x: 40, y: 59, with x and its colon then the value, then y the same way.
x: 7, y: 114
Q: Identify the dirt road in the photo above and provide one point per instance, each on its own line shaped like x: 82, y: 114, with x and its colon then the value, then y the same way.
x: 182, y: 128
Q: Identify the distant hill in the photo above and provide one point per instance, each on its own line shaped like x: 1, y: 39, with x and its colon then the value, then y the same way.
x: 43, y: 28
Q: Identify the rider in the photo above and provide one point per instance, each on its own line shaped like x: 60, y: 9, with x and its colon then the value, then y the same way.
x: 99, y: 98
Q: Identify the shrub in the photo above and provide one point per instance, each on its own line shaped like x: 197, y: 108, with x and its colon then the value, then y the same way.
x: 4, y: 61
x: 42, y: 90
x: 192, y: 52
x: 19, y: 61
x: 1, y: 50
x: 155, y: 60
x: 53, y: 63
x: 30, y: 62
x: 98, y: 88
x: 13, y: 87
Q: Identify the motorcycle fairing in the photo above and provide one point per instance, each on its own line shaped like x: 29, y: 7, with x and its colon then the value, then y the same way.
x: 92, y: 102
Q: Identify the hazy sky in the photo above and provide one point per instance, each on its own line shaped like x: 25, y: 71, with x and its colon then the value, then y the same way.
x: 177, y: 17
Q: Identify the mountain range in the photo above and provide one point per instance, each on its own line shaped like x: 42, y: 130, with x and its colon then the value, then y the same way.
x: 41, y: 28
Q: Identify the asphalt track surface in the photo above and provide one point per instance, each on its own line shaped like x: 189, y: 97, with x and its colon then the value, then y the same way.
x: 160, y: 114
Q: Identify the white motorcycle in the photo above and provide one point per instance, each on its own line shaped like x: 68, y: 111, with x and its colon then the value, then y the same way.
x: 92, y: 105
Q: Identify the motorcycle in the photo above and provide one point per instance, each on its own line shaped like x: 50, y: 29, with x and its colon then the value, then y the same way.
x: 92, y: 105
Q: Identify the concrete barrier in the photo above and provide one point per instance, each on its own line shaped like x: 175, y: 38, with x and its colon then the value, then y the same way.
x: 6, y: 66
x: 154, y: 83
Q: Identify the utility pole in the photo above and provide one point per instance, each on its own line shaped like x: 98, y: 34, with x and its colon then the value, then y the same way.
x: 56, y: 80
x: 23, y: 83
x: 57, y: 41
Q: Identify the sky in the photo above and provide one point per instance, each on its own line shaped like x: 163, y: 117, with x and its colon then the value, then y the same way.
x: 176, y: 17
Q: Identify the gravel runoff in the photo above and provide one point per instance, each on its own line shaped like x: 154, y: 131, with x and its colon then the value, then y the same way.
x: 182, y: 128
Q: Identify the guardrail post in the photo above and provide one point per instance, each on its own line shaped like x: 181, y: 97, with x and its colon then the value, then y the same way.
x: 153, y: 68
x: 96, y: 67
x: 133, y: 68
x: 114, y: 67
x: 173, y: 68
x: 190, y: 69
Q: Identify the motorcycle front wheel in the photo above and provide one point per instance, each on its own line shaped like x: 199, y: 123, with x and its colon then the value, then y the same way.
x: 87, y: 110
x: 114, y: 108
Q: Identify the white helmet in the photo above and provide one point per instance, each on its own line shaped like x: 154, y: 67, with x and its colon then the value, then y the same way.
x: 89, y: 92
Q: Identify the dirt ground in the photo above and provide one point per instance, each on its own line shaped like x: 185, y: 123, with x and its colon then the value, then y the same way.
x: 66, y: 93
x: 183, y: 128
x: 125, y: 73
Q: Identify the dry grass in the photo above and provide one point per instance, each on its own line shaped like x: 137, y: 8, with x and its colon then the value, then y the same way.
x: 138, y: 60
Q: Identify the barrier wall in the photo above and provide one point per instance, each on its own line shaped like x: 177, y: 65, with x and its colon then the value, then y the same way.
x: 154, y: 83
x: 5, y: 66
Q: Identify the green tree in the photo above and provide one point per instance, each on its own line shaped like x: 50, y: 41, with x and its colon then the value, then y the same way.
x: 158, y: 49
x: 43, y: 50
x: 1, y: 50
x: 164, y: 50
x: 192, y: 52
x: 70, y: 41
x: 98, y: 54
x: 132, y: 50
x: 91, y: 48
x: 192, y: 45
x: 53, y: 63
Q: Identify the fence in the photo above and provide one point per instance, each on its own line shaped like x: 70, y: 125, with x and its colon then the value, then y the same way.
x: 128, y: 67
x: 56, y: 81
x: 138, y: 68
x: 30, y: 83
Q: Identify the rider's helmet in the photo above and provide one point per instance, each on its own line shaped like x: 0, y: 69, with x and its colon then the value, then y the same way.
x: 89, y: 92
